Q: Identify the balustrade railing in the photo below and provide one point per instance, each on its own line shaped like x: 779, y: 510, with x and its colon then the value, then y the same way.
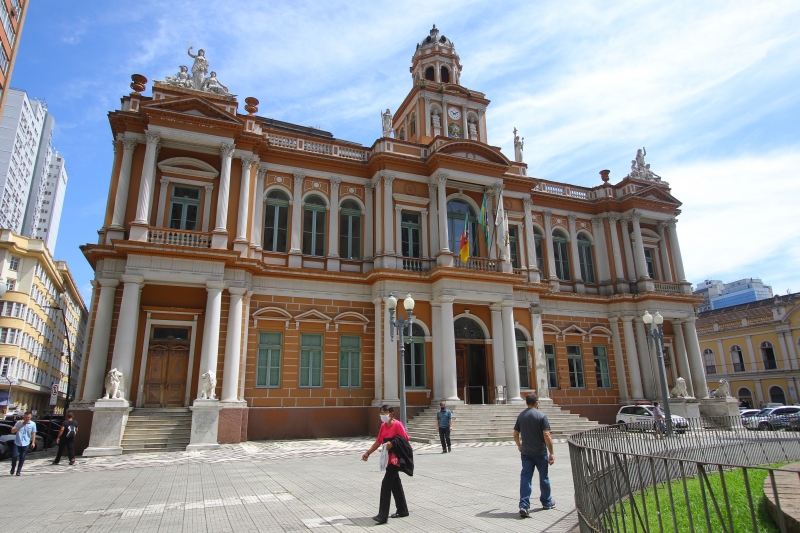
x: 664, y: 286
x: 173, y: 237
x: 480, y: 264
x: 411, y: 264
x: 349, y: 153
x: 283, y: 142
x: 318, y: 148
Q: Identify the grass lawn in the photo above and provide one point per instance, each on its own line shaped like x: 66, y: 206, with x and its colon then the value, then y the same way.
x: 740, y: 507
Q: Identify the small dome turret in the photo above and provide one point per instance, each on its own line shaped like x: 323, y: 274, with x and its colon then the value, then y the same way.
x: 435, y: 59
x: 434, y: 38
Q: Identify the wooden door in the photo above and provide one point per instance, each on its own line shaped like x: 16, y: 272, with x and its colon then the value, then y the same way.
x: 156, y: 374
x: 461, y: 369
x: 165, y: 377
x: 176, y: 375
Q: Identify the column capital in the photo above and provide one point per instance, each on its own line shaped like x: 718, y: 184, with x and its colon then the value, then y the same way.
x: 613, y: 319
x: 690, y: 320
x: 424, y: 213
x: 661, y: 225
x: 129, y: 143
x: 498, y: 189
x: 625, y: 219
x: 164, y: 182
x: 226, y: 150
x: 298, y: 178
x: 247, y: 161
x: 676, y: 321
x: 627, y: 318
x: 535, y: 309
x: 108, y: 282
x: 636, y: 217
x: 369, y: 188
x: 614, y: 217
x: 237, y: 290
x: 671, y: 222
x: 215, y: 286
x: 427, y: 99
x: 398, y: 209
x: 114, y: 146
x: 546, y: 214
x: 572, y: 217
x: 153, y: 137
x: 388, y: 179
x: 335, y: 183
x: 209, y: 188
x: 432, y: 186
x: 527, y: 201
x: 133, y: 279
x: 262, y: 171
x: 597, y: 222
x: 440, y: 178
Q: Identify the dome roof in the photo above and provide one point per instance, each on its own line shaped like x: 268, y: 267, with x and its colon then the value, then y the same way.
x: 435, y: 38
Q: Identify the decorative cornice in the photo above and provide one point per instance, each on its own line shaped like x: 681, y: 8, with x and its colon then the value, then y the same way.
x: 215, y: 286
x: 153, y: 137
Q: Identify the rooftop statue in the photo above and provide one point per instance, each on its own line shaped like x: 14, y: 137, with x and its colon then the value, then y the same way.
x: 199, y: 68
x: 641, y: 170
x: 518, y: 144
x: 386, y: 120
x: 198, y: 80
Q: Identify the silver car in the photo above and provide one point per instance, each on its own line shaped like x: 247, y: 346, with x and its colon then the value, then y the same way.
x: 640, y: 417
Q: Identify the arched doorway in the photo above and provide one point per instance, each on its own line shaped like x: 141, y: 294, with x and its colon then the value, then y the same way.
x: 472, y: 368
x: 745, y: 397
x: 776, y: 395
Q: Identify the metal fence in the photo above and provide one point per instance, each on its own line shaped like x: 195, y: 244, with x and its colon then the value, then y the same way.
x: 706, y: 477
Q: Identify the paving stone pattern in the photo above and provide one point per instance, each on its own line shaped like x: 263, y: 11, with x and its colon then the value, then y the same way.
x: 315, y: 485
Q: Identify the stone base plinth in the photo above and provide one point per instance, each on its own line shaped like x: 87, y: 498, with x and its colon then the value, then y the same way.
x: 114, y: 234
x: 205, y: 425
x: 232, y: 422
x: 545, y: 402
x: 219, y: 241
x: 138, y: 232
x: 723, y: 411
x: 108, y: 425
x: 685, y: 407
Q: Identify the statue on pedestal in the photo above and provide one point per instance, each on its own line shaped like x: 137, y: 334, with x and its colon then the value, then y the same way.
x: 199, y: 68
x: 386, y: 122
x: 114, y: 390
x: 198, y: 80
x: 208, y: 386
x: 518, y: 144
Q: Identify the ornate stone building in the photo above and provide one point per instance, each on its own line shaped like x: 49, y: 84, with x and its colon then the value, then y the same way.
x: 265, y: 252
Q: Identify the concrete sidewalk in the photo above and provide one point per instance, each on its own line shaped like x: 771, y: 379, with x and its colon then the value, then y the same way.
x: 281, y: 486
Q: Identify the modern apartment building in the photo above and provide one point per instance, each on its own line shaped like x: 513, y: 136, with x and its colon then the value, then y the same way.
x: 33, y: 334
x: 12, y: 18
x: 51, y: 203
x: 719, y: 295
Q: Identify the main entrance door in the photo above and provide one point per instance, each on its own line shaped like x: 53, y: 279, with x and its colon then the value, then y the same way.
x: 472, y: 375
x: 167, y: 364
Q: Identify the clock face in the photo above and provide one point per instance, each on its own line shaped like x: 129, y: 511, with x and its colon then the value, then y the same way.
x: 454, y: 113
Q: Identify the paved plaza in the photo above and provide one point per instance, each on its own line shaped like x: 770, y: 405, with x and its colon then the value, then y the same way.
x: 280, y: 486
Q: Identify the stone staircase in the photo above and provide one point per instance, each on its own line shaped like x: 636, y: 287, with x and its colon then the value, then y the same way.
x: 157, y: 430
x: 491, y: 423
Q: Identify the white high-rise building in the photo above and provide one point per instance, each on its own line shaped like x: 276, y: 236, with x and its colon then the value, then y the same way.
x: 20, y: 138
x: 33, y: 176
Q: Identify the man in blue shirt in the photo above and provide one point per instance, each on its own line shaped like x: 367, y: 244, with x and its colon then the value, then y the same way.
x: 444, y: 419
x: 24, y: 441
x: 534, y: 429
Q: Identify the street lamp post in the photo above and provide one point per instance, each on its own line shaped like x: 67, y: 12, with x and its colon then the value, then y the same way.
x: 401, y: 324
x: 68, y: 399
x: 653, y: 324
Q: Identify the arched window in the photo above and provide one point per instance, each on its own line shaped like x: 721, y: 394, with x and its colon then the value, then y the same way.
x: 585, y: 256
x: 768, y: 355
x: 314, y: 226
x: 776, y: 395
x: 745, y: 397
x: 537, y: 238
x: 276, y: 222
x: 457, y: 212
x: 412, y: 126
x: 561, y: 255
x: 710, y: 361
x: 350, y: 230
x: 445, y: 75
x: 415, y: 358
x: 522, y: 359
x: 466, y: 328
x: 430, y: 74
x: 737, y: 359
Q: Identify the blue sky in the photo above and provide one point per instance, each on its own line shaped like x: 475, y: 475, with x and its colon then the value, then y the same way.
x: 712, y: 90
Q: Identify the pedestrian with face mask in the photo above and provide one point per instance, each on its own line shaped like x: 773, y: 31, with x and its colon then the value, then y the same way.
x: 393, y: 435
x: 444, y: 421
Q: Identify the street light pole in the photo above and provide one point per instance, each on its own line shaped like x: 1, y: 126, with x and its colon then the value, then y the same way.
x: 657, y: 335
x: 401, y: 324
x: 68, y: 399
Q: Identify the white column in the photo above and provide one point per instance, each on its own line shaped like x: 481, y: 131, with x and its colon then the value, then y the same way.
x: 634, y: 373
x: 601, y: 249
x: 662, y: 246
x: 645, y: 360
x: 573, y: 241
x: 369, y: 224
x: 619, y: 363
x: 639, y: 259
x: 333, y: 227
x: 498, y: 351
x: 123, y: 183
x: 233, y: 346
x: 449, y: 376
x: 434, y: 220
x: 243, y: 359
x: 759, y: 393
x: 244, y: 198
x: 207, y: 206
x: 426, y: 251
x: 378, y: 356
x: 540, y: 363
x: 510, y: 355
x: 391, y: 382
x: 297, y: 213
x: 378, y: 218
x: 161, y: 214
x: 257, y: 239
x: 680, y: 355
x: 722, y: 357
x: 436, y: 342
x: 387, y: 215
x: 226, y: 152
x: 101, y: 333
x: 695, y: 359
x: 148, y: 177
x: 677, y: 258
x: 398, y: 230
x: 441, y: 197
x: 630, y: 265
x: 530, y: 242
x: 612, y: 227
x: 464, y: 124
x: 209, y: 352
x: 127, y: 325
x: 427, y: 116
x: 551, y: 259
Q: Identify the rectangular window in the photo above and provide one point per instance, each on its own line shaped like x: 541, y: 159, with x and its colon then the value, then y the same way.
x: 276, y: 222
x: 9, y: 335
x: 314, y: 232
x: 522, y: 361
x: 575, y: 363
x: 14, y: 264
x: 11, y: 284
x: 184, y: 208
x: 552, y: 369
x: 268, y: 366
x: 601, y: 367
x: 561, y: 254
x: 410, y: 234
x: 649, y: 259
x: 415, y: 362
x: 310, y: 360
x: 537, y: 238
x: 513, y: 244
x: 349, y: 361
x: 349, y: 234
x: 586, y: 262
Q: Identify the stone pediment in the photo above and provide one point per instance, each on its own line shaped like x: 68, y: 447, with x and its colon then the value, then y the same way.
x: 574, y: 330
x: 272, y: 313
x: 188, y: 166
x: 472, y: 150
x: 351, y: 317
x: 190, y: 107
x: 658, y: 194
x: 312, y: 316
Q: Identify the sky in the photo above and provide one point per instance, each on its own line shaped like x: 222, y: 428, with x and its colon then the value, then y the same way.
x: 711, y: 89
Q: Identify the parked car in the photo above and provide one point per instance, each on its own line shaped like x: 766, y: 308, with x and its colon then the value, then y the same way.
x: 49, y: 430
x: 794, y: 424
x: 640, y: 417
x: 771, y: 418
x: 3, y: 450
x: 748, y: 412
x: 7, y: 438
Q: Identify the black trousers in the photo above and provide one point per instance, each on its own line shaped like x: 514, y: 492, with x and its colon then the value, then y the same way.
x: 68, y: 444
x: 391, y: 486
x: 444, y: 436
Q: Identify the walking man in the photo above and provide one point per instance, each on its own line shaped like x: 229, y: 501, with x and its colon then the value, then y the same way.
x: 66, y: 439
x: 445, y: 423
x: 24, y: 441
x: 658, y: 421
x: 534, y: 429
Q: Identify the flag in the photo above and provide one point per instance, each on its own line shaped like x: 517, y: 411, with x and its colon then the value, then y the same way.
x: 463, y: 250
x: 483, y: 220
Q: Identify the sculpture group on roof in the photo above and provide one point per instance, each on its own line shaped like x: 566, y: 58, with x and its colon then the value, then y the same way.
x: 640, y: 170
x: 198, y: 80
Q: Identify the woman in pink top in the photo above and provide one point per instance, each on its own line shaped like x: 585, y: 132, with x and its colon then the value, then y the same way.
x: 391, y: 485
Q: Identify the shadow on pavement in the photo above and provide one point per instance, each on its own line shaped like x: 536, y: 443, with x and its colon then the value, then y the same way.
x: 492, y: 514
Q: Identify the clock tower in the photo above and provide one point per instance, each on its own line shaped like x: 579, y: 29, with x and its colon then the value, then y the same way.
x: 438, y: 105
